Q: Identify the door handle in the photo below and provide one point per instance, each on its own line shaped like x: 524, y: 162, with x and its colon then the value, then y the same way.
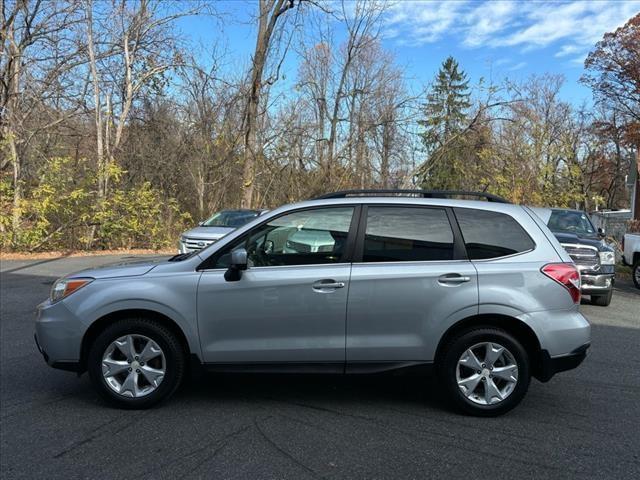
x: 453, y: 279
x: 321, y: 285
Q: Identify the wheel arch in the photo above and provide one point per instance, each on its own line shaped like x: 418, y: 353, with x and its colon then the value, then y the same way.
x: 514, y: 326
x: 101, y: 323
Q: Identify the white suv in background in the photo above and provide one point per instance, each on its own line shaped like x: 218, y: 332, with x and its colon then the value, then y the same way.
x: 214, y: 228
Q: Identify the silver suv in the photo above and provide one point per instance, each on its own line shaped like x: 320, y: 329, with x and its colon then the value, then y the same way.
x: 214, y: 228
x: 354, y: 282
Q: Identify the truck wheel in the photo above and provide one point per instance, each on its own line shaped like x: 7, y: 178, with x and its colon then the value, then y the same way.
x: 602, y: 300
x: 484, y: 371
x: 135, y: 363
x: 635, y: 273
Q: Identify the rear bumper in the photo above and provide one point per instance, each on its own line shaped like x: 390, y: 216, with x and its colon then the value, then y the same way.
x: 549, y: 366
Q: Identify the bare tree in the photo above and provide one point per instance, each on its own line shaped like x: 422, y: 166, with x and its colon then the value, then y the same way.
x: 269, y: 13
x: 130, y: 48
x: 38, y: 57
x: 362, y: 22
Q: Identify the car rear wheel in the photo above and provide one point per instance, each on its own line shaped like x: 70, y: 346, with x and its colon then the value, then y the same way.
x: 484, y: 371
x: 136, y: 363
x: 602, y: 300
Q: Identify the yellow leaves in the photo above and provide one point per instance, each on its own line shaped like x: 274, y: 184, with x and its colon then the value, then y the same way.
x: 63, y: 209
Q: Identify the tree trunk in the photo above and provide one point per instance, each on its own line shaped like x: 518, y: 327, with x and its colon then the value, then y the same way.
x: 12, y: 137
x: 16, y: 214
x: 386, y: 153
x: 97, y: 102
x: 270, y: 10
x: 636, y: 206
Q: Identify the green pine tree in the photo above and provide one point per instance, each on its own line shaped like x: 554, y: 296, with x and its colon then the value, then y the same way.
x: 445, y: 118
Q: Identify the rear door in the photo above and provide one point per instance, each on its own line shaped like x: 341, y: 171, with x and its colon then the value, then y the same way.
x: 409, y: 281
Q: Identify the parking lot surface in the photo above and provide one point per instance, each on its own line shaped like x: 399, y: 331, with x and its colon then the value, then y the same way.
x: 584, y: 423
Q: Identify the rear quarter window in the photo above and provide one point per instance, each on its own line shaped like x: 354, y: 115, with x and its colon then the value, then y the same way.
x: 491, y: 234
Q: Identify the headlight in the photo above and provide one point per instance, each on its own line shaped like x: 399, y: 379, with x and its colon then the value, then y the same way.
x: 66, y: 286
x: 607, y: 258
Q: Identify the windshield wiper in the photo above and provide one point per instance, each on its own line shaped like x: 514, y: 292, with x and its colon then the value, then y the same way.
x: 179, y: 257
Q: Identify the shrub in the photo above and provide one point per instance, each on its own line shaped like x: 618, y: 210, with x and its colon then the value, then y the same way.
x: 63, y: 211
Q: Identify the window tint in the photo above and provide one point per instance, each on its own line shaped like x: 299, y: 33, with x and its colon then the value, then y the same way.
x: 567, y: 221
x: 299, y: 238
x: 491, y: 234
x: 407, y: 234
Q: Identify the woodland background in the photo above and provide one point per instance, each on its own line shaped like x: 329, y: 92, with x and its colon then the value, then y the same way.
x: 115, y: 134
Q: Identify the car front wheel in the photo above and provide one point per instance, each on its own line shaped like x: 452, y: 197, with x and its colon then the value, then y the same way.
x: 602, y: 300
x: 484, y: 371
x: 135, y: 363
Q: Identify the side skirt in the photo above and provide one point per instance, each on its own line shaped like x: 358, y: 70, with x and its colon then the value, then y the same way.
x: 404, y: 368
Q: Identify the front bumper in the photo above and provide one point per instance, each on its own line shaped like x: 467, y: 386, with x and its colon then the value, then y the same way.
x: 61, y: 365
x: 58, y: 335
x: 593, y: 284
x: 549, y: 366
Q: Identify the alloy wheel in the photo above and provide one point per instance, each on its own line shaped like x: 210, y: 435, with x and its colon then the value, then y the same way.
x: 133, y: 366
x: 487, y: 373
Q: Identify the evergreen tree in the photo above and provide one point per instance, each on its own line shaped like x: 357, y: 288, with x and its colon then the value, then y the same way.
x: 445, y: 118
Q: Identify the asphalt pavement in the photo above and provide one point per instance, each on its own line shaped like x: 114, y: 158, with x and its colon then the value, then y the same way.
x: 582, y: 424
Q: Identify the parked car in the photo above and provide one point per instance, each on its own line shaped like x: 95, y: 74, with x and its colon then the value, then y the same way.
x: 479, y: 291
x: 585, y: 244
x: 214, y: 228
x: 631, y: 255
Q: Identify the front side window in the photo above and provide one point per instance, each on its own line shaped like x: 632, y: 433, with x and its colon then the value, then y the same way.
x: 407, y: 234
x: 491, y: 234
x: 305, y: 237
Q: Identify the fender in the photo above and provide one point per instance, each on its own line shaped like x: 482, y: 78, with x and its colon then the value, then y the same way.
x: 175, y: 299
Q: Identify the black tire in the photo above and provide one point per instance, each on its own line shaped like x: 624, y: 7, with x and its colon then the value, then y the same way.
x: 454, y: 349
x: 635, y: 273
x: 175, y: 359
x: 602, y: 300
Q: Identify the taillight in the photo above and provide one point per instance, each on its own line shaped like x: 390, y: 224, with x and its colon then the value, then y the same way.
x: 567, y: 275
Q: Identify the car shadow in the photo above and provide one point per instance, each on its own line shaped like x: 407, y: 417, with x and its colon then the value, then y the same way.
x: 311, y: 390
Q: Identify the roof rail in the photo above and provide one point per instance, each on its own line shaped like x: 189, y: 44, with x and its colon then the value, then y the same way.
x: 417, y: 193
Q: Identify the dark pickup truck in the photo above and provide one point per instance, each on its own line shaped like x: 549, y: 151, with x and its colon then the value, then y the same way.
x: 586, y: 246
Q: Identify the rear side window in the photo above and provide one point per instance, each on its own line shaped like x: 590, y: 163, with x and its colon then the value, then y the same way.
x: 491, y: 234
x: 407, y: 234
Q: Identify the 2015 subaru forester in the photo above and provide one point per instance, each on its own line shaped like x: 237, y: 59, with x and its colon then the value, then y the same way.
x: 353, y: 282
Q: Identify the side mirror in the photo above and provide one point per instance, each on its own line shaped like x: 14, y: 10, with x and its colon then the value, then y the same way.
x: 238, y: 263
x: 601, y: 231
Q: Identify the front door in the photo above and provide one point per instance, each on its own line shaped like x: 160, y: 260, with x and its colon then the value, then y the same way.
x: 289, y: 306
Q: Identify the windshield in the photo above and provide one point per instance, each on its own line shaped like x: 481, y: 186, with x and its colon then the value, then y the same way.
x: 570, y: 222
x: 231, y: 218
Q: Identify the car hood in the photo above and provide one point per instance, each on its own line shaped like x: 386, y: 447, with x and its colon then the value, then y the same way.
x: 207, y: 233
x: 591, y: 240
x: 128, y: 269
